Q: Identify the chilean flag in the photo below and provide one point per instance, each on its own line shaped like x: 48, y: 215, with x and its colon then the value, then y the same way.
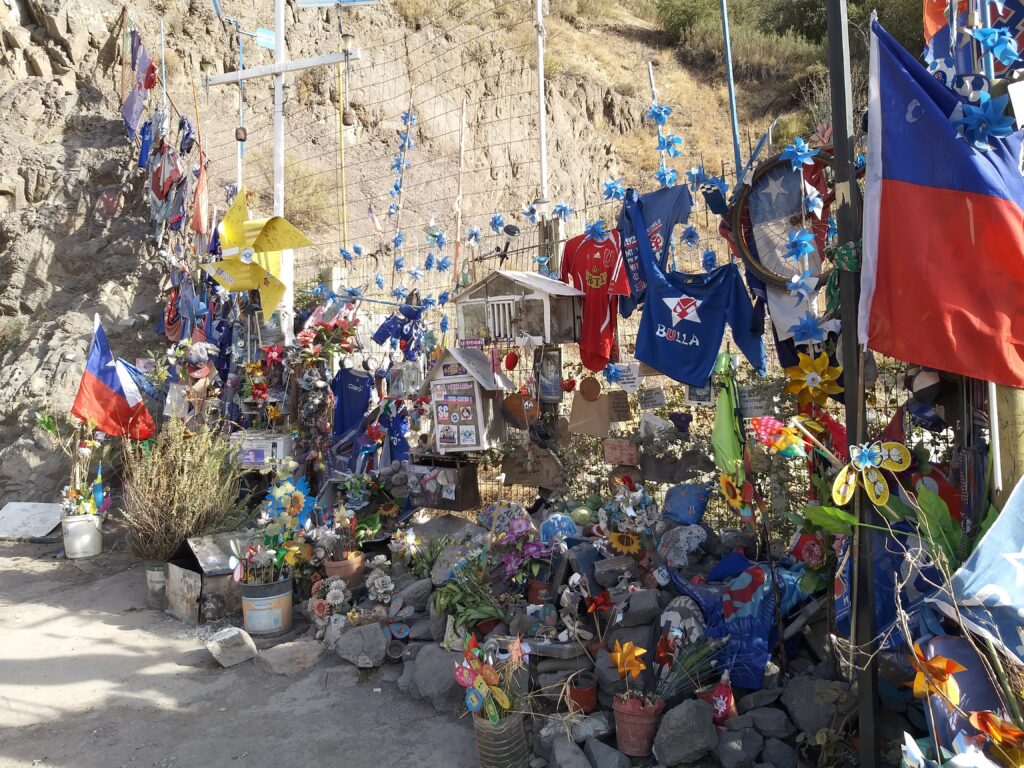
x: 109, y: 396
x: 943, y: 271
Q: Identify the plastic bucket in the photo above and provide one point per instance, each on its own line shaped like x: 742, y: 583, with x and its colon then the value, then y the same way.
x: 267, y: 608
x: 634, y: 729
x: 501, y: 744
x: 350, y: 570
x: 83, y: 535
x: 156, y: 584
x: 583, y: 693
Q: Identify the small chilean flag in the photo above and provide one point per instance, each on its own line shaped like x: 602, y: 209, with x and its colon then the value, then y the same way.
x: 942, y: 278
x: 108, y: 395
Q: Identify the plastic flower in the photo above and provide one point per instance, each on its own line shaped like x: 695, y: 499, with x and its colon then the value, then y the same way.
x: 807, y: 330
x: 273, y: 413
x: 690, y: 236
x: 813, y: 379
x: 730, y: 491
x: 600, y: 603
x: 658, y: 113
x: 624, y: 543
x: 665, y: 651
x: 1001, y: 42
x: 799, y: 244
x: 535, y: 549
x: 614, y: 189
x: 798, y: 153
x: 511, y: 561
x: 988, y: 120
x: 997, y: 729
x: 321, y: 609
x: 562, y: 211
x: 865, y: 462
x: 596, y: 231
x: 666, y: 176
x: 935, y: 675
x: 497, y: 223
x: 517, y: 529
x: 626, y: 659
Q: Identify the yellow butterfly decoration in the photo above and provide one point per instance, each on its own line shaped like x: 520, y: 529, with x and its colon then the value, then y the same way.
x: 626, y: 659
x: 866, y: 462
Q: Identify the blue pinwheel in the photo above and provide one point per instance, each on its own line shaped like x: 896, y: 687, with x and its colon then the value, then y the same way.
x: 393, y: 209
x: 708, y: 260
x: 399, y: 164
x: 473, y: 235
x: 813, y: 203
x: 696, y: 176
x: 443, y: 297
x: 497, y: 223
x: 1001, y: 42
x: 670, y: 144
x: 530, y: 213
x: 807, y: 330
x: 408, y: 118
x: 561, y: 211
x: 614, y: 189
x: 416, y: 274
x: 399, y: 292
x: 444, y: 324
x: 799, y: 154
x: 716, y: 182
x: 832, y: 229
x: 666, y: 176
x: 378, y: 280
x: 802, y: 285
x: 396, y: 188
x: 353, y: 294
x: 399, y: 263
x: 612, y: 374
x: 690, y: 236
x: 428, y: 301
x: 428, y: 263
x: 658, y: 113
x: 357, y: 249
x: 800, y: 243
x: 398, y: 240
x: 440, y: 239
x: 405, y: 140
x: 444, y: 264
x: 979, y: 124
x: 346, y: 254
x: 597, y: 231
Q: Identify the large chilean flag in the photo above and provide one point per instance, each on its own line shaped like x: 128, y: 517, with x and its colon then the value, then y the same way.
x: 109, y: 396
x: 942, y: 281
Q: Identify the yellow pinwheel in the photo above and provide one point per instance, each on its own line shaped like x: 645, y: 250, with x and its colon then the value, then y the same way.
x: 251, y: 251
x: 813, y: 380
x: 626, y: 659
x: 866, y: 462
x: 935, y: 675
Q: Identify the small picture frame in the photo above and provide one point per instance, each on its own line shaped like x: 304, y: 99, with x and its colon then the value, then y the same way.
x: 548, y: 362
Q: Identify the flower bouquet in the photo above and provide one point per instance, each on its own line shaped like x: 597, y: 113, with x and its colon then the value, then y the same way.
x: 329, y: 597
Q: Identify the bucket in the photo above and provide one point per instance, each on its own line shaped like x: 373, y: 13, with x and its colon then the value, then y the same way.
x: 583, y: 693
x: 350, y: 570
x: 501, y: 744
x: 83, y: 535
x: 395, y: 652
x: 156, y: 584
x: 634, y: 728
x: 267, y: 608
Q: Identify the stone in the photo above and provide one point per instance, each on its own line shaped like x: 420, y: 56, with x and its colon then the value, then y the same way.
x: 550, y: 684
x: 390, y: 673
x: 582, y: 558
x: 336, y: 624
x: 770, y: 721
x: 686, y: 734
x: 442, y: 568
x: 407, y: 682
x: 608, y: 680
x: 779, y: 754
x: 438, y: 622
x: 548, y: 731
x: 813, y: 704
x: 608, y: 572
x: 739, y: 749
x: 435, y: 678
x: 538, y: 762
x: 643, y: 608
x: 364, y: 646
x: 595, y: 726
x: 231, y: 646
x: 416, y: 594
x: 640, y: 636
x: 601, y: 755
x: 291, y: 658
x: 763, y: 698
x: 772, y: 675
x: 420, y: 629
x: 561, y: 665
x: 739, y: 722
x: 565, y: 754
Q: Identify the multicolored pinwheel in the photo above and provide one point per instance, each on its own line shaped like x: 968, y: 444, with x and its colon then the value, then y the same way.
x: 395, y: 627
x: 481, y: 680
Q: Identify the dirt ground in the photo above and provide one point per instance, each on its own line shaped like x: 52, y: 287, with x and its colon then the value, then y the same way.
x: 90, y: 677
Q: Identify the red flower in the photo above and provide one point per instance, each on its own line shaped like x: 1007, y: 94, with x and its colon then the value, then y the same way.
x: 627, y: 481
x: 601, y: 603
x: 568, y: 385
x: 259, y: 391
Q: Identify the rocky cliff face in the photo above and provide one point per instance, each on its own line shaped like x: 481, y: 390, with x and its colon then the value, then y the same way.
x: 74, y: 237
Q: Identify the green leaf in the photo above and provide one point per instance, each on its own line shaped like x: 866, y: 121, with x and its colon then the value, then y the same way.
x: 899, y: 509
x: 831, y: 519
x: 811, y: 582
x: 937, y: 525
x: 990, y: 518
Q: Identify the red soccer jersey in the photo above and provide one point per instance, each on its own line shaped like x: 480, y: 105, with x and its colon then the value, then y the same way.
x: 595, y: 267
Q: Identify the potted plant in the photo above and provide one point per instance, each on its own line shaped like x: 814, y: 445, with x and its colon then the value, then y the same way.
x: 467, y: 597
x: 525, y: 558
x: 343, y: 557
x: 583, y: 691
x: 265, y: 579
x: 636, y: 711
x: 83, y: 503
x: 182, y: 483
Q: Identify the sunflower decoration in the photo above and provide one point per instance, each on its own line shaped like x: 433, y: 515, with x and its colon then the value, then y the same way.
x: 813, y: 380
x: 935, y: 675
x: 390, y: 509
x: 866, y: 462
x: 624, y: 543
x: 626, y: 659
x: 730, y: 491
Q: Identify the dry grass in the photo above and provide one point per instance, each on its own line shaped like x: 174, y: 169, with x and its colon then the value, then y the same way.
x: 181, y: 484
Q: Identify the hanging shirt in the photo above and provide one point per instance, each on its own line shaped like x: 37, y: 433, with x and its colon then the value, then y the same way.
x: 661, y: 210
x: 145, y: 143
x: 595, y: 267
x: 396, y: 446
x: 352, y: 391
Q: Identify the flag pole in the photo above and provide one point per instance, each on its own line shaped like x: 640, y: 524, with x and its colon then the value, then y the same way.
x: 847, y: 216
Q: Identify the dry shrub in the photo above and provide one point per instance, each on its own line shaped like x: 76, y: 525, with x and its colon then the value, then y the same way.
x: 181, y: 484
x: 756, y: 54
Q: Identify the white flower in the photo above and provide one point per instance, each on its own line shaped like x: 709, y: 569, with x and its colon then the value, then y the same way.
x: 380, y: 562
x: 337, y: 596
x: 379, y: 586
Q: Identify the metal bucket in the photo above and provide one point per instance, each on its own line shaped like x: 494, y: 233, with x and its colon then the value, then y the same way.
x: 267, y: 608
x: 83, y: 535
x: 156, y: 584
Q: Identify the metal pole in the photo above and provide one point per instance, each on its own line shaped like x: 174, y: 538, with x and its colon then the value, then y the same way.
x: 727, y: 46
x: 241, y: 115
x: 458, y: 193
x: 335, y: 272
x: 847, y: 217
x: 542, y: 114
x: 287, y: 257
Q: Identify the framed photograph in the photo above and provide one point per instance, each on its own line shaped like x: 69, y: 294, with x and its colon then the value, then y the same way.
x: 549, y: 374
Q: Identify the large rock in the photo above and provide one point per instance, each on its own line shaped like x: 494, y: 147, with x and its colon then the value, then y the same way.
x: 416, y: 594
x: 770, y: 721
x: 337, y: 624
x: 565, y: 754
x: 739, y: 749
x: 608, y: 680
x: 779, y: 754
x: 551, y: 684
x: 739, y: 722
x: 603, y: 756
x: 686, y: 734
x: 608, y: 572
x: 639, y: 635
x: 442, y: 568
x: 763, y: 698
x: 363, y: 646
x: 438, y: 622
x: 814, y: 704
x: 643, y: 608
x: 595, y: 726
x: 291, y: 658
x: 407, y: 681
x: 435, y: 678
x: 231, y: 646
x: 548, y: 731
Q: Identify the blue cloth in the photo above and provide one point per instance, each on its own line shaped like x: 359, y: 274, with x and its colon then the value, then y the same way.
x: 685, y: 504
x: 654, y: 216
x: 352, y: 391
x: 145, y: 143
x: 406, y: 327
x: 396, y: 447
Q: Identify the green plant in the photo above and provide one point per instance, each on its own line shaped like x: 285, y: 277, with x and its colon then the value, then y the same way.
x: 690, y: 668
x: 422, y: 560
x: 182, y: 483
x: 467, y: 597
